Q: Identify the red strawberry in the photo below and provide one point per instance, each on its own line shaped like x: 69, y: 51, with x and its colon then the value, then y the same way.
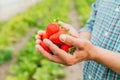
x: 55, y: 37
x: 65, y: 47
x: 43, y: 36
x: 45, y: 47
x: 51, y: 29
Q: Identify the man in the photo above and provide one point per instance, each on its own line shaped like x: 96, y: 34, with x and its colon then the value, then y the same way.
x: 98, y: 43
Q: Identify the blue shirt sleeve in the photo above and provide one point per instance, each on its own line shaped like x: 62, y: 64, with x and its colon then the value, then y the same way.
x: 90, y: 23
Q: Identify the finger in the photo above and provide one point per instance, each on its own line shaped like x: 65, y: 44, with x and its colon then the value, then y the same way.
x: 37, y: 37
x: 58, y: 60
x: 38, y: 41
x: 57, y: 51
x: 48, y: 55
x: 80, y: 55
x: 52, y: 46
x: 64, y: 25
x: 61, y: 23
x: 40, y: 32
x: 70, y: 28
x: 71, y: 40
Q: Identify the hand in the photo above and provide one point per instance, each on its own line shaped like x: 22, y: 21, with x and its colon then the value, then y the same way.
x: 69, y: 27
x: 83, y: 51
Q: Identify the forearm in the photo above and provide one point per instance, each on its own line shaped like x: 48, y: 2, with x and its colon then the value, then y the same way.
x: 85, y: 35
x: 108, y: 58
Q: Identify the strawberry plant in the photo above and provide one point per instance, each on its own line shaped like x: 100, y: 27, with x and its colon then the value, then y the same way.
x: 5, y: 54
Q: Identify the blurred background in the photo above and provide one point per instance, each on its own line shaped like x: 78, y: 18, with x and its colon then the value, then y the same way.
x: 19, y: 22
x: 12, y: 7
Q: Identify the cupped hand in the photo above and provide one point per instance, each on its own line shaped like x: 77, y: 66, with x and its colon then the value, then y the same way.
x: 83, y: 50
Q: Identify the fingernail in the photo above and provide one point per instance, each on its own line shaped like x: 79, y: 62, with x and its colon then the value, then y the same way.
x: 62, y: 37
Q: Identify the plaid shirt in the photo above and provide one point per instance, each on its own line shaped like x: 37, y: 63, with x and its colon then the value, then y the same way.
x: 104, y: 25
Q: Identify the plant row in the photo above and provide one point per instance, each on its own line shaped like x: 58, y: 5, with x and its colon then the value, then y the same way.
x: 12, y: 31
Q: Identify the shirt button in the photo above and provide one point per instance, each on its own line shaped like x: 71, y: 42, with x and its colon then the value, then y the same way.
x: 106, y: 33
x: 117, y: 9
x: 89, y: 77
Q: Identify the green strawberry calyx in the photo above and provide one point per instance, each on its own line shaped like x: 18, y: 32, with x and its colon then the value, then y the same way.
x: 72, y: 50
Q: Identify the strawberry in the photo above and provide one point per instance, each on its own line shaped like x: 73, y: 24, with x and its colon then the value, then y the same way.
x: 43, y: 36
x: 65, y: 47
x: 53, y: 32
x: 51, y: 29
x: 55, y: 37
x: 45, y: 47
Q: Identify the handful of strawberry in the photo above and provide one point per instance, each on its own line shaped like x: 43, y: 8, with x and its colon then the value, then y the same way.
x: 53, y: 31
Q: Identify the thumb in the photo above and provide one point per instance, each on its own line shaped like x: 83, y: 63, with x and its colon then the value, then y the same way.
x: 64, y: 25
x: 71, y: 40
x: 61, y: 23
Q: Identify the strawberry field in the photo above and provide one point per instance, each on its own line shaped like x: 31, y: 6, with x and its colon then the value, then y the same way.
x: 17, y: 40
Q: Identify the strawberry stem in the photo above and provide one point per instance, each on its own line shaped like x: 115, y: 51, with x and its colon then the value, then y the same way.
x: 72, y: 50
